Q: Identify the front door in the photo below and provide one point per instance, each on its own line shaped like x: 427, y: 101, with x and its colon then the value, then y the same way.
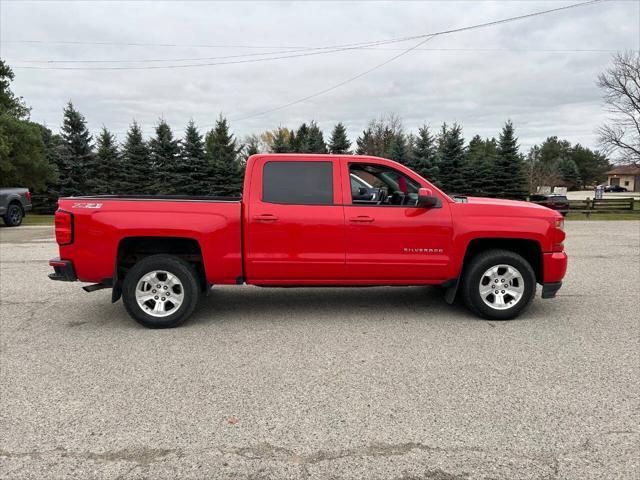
x: 389, y: 239
x: 295, y: 222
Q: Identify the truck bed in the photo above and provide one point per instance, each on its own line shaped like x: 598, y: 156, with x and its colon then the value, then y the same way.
x: 103, y: 224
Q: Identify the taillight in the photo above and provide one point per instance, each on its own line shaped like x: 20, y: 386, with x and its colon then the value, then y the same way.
x: 64, y: 227
x: 28, y: 196
x: 558, y: 235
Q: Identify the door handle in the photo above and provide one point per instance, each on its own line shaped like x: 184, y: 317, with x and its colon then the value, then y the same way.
x: 361, y: 219
x: 266, y: 217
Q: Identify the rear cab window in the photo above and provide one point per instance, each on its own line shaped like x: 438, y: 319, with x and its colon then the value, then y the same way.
x: 298, y: 183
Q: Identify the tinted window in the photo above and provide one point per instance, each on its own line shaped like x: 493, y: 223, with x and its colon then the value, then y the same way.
x: 300, y: 183
x: 382, y: 186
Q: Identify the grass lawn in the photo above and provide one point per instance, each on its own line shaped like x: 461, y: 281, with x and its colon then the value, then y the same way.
x: 602, y: 216
x: 34, y: 219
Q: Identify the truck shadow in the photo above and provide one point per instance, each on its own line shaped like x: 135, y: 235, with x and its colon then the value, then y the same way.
x: 325, y: 304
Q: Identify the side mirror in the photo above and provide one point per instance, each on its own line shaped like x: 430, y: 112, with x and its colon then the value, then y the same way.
x: 426, y: 198
x: 362, y: 191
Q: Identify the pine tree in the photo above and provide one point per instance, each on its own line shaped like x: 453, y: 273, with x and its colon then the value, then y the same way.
x: 410, y: 144
x: 424, y: 160
x: 191, y: 171
x: 164, y: 150
x: 486, y: 169
x: 53, y: 151
x: 297, y: 140
x: 251, y: 147
x: 106, y: 162
x: 510, y: 178
x: 452, y: 162
x: 569, y: 172
x: 76, y: 153
x: 315, y: 140
x: 136, y: 164
x: 364, y: 143
x: 339, y: 143
x: 222, y: 153
x: 398, y: 150
x: 480, y: 158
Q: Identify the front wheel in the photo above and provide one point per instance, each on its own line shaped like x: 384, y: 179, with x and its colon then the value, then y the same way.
x: 13, y: 217
x: 498, y: 284
x: 160, y: 291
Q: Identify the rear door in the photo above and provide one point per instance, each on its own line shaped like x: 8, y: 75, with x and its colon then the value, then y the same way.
x: 295, y: 222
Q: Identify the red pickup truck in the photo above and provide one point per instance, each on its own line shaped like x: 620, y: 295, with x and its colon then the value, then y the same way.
x: 311, y: 220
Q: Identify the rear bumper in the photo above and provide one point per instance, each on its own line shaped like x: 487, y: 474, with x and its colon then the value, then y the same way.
x: 62, y: 270
x: 27, y: 207
x: 549, y: 290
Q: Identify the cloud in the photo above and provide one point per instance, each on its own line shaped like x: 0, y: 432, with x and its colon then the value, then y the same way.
x: 513, y: 71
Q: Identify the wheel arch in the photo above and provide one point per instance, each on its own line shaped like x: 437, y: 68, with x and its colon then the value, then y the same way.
x: 16, y: 201
x: 132, y: 249
x: 529, y: 249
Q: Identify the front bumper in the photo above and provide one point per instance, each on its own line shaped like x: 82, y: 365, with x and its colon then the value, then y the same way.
x: 549, y: 290
x: 554, y: 266
x: 62, y: 270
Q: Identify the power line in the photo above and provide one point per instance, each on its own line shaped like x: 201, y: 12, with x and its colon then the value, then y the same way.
x: 535, y: 50
x: 337, y: 85
x: 322, y: 50
x: 395, y: 57
x: 404, y: 52
x: 125, y: 44
x: 233, y: 62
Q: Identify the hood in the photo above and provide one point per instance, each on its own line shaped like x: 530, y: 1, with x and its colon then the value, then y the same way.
x: 500, y: 201
x: 510, y: 205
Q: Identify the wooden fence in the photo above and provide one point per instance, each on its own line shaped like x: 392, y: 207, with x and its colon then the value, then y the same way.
x: 602, y: 205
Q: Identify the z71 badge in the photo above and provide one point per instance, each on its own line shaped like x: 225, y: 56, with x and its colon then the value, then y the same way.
x: 87, y: 205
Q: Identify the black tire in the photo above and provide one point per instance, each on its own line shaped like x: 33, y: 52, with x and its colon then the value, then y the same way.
x: 166, y: 263
x: 473, y: 274
x: 13, y: 216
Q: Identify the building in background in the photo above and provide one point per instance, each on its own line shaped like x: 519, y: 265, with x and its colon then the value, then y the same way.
x: 627, y: 176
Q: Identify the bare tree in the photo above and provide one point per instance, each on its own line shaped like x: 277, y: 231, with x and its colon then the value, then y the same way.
x: 621, y: 87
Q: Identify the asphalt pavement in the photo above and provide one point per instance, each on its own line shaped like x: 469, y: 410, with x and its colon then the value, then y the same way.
x: 345, y: 383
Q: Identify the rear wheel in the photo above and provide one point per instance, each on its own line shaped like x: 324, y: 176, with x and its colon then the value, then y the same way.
x: 13, y: 216
x: 498, y: 284
x: 160, y: 291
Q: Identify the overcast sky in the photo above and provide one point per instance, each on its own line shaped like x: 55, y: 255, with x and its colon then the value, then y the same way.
x: 533, y: 71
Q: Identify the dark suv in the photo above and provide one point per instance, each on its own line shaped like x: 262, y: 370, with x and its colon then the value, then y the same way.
x: 14, y: 204
x: 552, y: 201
